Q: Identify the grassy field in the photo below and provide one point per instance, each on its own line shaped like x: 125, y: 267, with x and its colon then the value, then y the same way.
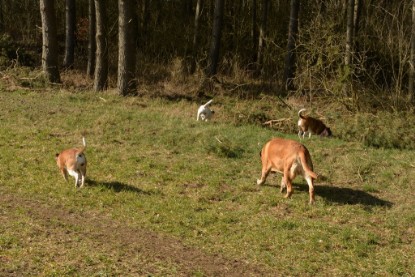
x: 169, y: 196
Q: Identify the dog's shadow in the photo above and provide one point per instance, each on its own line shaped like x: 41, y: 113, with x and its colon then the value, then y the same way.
x: 346, y: 196
x: 118, y: 187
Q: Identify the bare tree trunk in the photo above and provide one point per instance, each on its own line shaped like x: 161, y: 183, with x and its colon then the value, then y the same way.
x: 198, y: 10
x: 356, y: 17
x: 216, y: 38
x: 254, y: 32
x: 126, y: 47
x: 290, y: 60
x: 262, y: 27
x: 349, y: 49
x: 70, y: 26
x: 349, y: 32
x: 50, y: 43
x: 1, y: 16
x: 92, y: 44
x: 101, y: 62
x: 411, y: 80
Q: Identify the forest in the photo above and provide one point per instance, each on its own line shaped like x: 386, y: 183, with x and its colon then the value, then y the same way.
x: 359, y: 53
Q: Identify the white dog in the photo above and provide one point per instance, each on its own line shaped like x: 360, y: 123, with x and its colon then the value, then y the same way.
x: 204, y: 113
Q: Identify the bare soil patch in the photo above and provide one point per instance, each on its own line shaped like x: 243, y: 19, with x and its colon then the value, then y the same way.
x: 60, y: 229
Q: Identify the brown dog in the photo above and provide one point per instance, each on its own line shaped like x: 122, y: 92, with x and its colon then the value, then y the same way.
x: 73, y: 161
x: 312, y: 126
x: 290, y: 158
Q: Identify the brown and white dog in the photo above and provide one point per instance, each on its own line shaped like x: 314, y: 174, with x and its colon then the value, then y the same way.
x: 73, y: 161
x: 290, y: 158
x: 312, y: 126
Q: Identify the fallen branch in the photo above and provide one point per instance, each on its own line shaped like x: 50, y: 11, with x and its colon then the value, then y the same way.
x: 276, y: 121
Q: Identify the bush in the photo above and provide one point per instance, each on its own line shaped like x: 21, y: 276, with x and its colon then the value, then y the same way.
x: 383, y: 130
x: 12, y: 54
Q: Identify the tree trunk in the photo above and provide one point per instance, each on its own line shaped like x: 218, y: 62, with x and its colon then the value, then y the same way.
x: 289, y: 72
x: 70, y: 26
x: 1, y: 16
x: 254, y: 32
x: 349, y: 50
x: 412, y: 58
x: 101, y: 62
x: 192, y: 68
x: 216, y: 38
x: 349, y: 32
x: 126, y: 47
x: 50, y: 43
x: 92, y: 46
x: 262, y: 27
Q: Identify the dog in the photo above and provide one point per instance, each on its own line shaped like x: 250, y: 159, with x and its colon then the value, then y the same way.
x: 312, y: 126
x: 73, y: 162
x: 290, y: 158
x: 204, y: 113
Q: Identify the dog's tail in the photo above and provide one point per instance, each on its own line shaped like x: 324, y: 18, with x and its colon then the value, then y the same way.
x: 82, y: 149
x: 307, y: 169
x: 300, y: 113
x: 208, y: 103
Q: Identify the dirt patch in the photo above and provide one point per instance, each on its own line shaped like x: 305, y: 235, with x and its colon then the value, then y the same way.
x: 65, y: 229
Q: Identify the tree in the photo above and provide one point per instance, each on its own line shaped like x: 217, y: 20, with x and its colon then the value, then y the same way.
x: 1, y: 17
x: 216, y: 38
x: 262, y: 27
x: 192, y: 68
x: 126, y: 47
x: 254, y: 32
x: 50, y: 43
x: 411, y: 80
x: 92, y: 44
x: 70, y: 26
x: 101, y: 59
x: 289, y: 72
x: 349, y: 32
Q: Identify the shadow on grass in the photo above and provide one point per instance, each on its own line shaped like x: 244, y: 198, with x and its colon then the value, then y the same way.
x: 346, y: 196
x: 118, y: 187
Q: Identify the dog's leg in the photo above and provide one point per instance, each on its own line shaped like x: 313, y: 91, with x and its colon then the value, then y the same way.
x: 64, y: 174
x: 83, y: 174
x: 310, y: 188
x: 74, y: 174
x: 309, y: 134
x: 299, y: 134
x: 287, y: 181
x: 283, y: 185
x: 265, y: 172
x: 82, y: 180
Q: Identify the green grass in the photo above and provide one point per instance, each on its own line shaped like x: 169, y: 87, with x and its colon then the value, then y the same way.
x: 152, y: 166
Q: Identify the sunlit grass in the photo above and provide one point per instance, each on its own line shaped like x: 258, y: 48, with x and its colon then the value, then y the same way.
x: 152, y: 165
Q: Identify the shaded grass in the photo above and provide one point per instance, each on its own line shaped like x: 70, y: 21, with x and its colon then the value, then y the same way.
x: 152, y: 165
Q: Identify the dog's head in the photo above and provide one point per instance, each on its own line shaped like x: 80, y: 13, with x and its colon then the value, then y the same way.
x: 326, y: 132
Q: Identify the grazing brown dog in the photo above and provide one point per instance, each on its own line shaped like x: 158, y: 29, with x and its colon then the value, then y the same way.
x: 312, y: 126
x: 73, y: 161
x: 290, y: 158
